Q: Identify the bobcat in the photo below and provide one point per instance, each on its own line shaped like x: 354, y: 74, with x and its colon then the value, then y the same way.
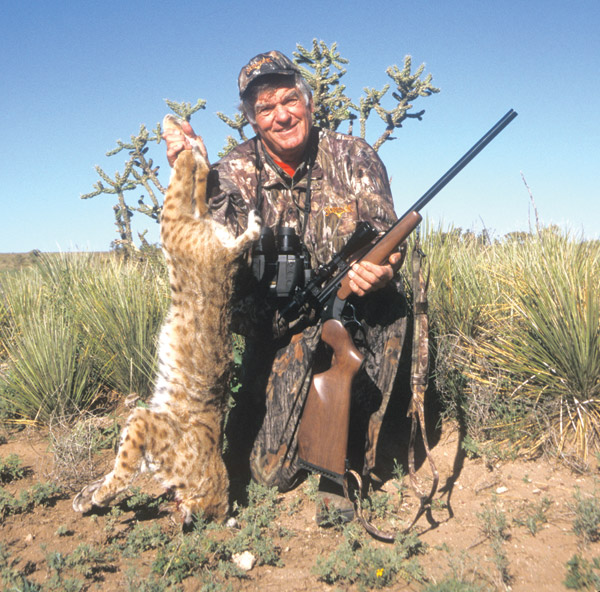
x: 179, y: 436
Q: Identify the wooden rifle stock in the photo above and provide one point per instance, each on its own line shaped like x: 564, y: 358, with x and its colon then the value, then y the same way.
x: 323, y: 430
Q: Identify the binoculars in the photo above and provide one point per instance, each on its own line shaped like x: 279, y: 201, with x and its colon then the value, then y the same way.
x: 280, y: 263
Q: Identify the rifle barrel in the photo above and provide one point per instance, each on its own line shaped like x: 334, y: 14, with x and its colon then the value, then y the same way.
x: 462, y: 163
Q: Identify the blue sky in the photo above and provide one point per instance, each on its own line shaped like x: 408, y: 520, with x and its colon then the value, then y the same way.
x: 76, y: 77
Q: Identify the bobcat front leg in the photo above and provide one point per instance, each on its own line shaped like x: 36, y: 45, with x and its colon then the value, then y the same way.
x: 252, y: 232
x: 127, y: 464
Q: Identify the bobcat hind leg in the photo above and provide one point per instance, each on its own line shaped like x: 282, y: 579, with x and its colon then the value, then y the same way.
x: 134, y: 441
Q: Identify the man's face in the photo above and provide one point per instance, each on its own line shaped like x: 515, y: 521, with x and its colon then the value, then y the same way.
x: 283, y: 122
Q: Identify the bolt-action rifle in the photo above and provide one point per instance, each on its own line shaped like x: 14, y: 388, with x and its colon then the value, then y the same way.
x: 323, y: 430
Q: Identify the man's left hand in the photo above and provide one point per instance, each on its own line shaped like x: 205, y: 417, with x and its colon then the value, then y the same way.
x: 368, y: 277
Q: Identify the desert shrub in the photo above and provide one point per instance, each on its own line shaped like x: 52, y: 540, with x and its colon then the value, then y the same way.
x: 122, y: 306
x: 586, y: 521
x: 11, y: 468
x: 75, y: 328
x: 40, y: 494
x: 517, y: 335
x: 75, y: 442
x: 582, y: 574
x: 358, y: 561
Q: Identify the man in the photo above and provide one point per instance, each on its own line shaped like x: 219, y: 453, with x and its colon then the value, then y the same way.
x: 320, y: 183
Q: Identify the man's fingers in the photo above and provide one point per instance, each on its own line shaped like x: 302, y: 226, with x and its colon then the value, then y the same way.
x: 179, y: 139
x: 395, y: 258
x: 176, y: 143
x: 367, y: 277
x: 187, y: 129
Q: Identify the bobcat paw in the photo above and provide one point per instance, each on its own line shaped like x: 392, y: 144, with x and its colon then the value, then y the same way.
x: 254, y: 224
x: 82, y: 502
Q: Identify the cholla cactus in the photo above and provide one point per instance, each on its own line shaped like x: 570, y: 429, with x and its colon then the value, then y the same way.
x: 139, y: 171
x: 325, y: 69
x: 408, y: 88
x: 332, y: 106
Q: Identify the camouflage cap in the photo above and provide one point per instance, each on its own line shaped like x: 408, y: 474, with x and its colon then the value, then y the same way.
x: 273, y: 62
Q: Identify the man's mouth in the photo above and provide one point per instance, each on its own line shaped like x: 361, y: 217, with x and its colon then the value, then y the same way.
x: 288, y: 129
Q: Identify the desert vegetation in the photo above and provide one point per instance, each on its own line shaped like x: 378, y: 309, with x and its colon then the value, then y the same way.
x: 515, y: 337
x: 515, y: 344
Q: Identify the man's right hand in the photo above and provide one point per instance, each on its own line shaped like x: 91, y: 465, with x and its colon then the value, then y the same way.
x: 178, y: 139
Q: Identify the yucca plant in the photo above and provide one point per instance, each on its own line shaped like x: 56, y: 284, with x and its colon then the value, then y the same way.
x: 543, y: 348
x: 462, y: 297
x: 49, y: 370
x: 462, y: 292
x: 122, y: 305
x: 75, y: 326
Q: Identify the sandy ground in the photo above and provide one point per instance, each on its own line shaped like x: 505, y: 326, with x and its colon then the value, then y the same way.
x: 536, y: 551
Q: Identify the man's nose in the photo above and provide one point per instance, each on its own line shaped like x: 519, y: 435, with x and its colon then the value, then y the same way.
x: 281, y: 113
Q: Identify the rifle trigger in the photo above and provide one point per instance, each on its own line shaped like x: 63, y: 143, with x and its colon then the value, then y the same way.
x: 349, y: 318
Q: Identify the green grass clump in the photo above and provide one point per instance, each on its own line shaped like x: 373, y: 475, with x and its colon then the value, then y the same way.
x: 11, y: 468
x: 359, y: 561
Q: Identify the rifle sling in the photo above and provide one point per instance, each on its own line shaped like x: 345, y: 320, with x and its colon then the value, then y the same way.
x: 419, y: 378
x: 419, y: 381
x: 358, y: 512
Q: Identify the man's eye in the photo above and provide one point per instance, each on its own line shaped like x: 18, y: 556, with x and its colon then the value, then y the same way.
x: 264, y: 110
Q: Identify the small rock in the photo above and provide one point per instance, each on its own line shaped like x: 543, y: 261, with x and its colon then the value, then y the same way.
x: 29, y: 538
x: 245, y: 561
x: 231, y: 523
x: 501, y: 490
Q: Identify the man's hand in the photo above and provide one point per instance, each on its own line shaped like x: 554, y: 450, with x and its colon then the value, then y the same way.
x: 178, y: 139
x: 368, y: 277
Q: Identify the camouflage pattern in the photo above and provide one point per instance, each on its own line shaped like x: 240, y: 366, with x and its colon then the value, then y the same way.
x: 348, y: 183
x: 419, y: 375
x: 273, y: 62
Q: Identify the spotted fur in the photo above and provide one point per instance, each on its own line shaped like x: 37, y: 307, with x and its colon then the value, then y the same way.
x: 179, y: 436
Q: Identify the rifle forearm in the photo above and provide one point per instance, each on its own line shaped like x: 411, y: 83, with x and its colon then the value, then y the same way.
x: 380, y: 252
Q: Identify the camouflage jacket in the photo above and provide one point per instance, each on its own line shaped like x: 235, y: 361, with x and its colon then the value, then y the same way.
x: 348, y: 183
